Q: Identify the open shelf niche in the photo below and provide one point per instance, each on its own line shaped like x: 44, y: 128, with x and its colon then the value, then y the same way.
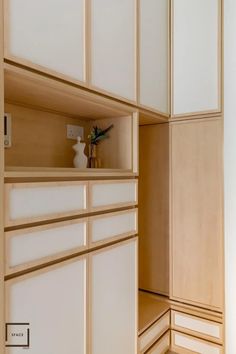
x: 41, y: 108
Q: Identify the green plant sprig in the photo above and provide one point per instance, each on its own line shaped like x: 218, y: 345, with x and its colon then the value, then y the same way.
x: 98, y: 134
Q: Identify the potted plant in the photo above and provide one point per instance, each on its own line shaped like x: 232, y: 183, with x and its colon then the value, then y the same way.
x: 95, y: 137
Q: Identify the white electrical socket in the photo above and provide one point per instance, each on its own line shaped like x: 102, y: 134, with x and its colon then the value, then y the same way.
x: 73, y: 131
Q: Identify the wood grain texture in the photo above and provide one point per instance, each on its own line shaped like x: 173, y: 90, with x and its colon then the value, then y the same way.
x: 30, y: 88
x: 197, y: 213
x: 196, y: 326
x: 151, y: 309
x: 185, y: 344
x: 2, y: 304
x: 39, y: 138
x: 154, y: 208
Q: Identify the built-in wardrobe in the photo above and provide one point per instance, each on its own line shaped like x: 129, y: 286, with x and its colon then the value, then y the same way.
x: 125, y: 257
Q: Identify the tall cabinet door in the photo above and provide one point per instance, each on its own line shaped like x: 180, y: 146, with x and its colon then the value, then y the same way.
x: 113, y: 303
x: 48, y: 35
x: 197, y: 213
x: 196, y: 51
x: 113, y: 47
x: 53, y: 304
x: 154, y: 54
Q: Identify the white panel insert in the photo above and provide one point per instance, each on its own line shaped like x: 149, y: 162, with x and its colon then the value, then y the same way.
x: 53, y: 302
x: 154, y: 332
x: 49, y: 33
x: 38, y: 200
x: 154, y: 51
x: 31, y: 245
x: 162, y: 345
x: 113, y: 225
x: 114, y: 300
x: 113, y: 46
x: 195, y: 55
x: 198, y: 325
x: 105, y: 195
x: 195, y: 345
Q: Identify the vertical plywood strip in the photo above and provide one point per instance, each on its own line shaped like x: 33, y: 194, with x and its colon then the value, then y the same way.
x: 2, y: 300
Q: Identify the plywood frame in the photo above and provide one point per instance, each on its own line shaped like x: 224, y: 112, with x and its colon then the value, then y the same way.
x: 89, y: 39
x: 200, y: 305
x: 162, y: 114
x: 113, y: 238
x: 17, y: 233
x: 191, y: 115
x: 182, y: 350
x: 195, y: 333
x: 90, y: 287
x: 6, y: 312
x: 112, y: 206
x: 27, y: 63
x: 2, y: 253
x: 160, y: 330
x: 9, y: 186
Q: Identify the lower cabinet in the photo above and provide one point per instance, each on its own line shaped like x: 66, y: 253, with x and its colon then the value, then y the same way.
x: 113, y: 301
x: 52, y: 304
x: 87, y: 304
x: 185, y: 344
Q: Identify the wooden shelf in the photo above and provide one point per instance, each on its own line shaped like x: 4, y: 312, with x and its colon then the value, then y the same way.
x: 38, y: 172
x: 151, y: 308
x: 27, y: 88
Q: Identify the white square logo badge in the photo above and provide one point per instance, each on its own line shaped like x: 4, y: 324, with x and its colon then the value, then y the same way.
x: 17, y: 335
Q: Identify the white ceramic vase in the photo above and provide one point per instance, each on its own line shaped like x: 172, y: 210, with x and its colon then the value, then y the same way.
x: 80, y: 159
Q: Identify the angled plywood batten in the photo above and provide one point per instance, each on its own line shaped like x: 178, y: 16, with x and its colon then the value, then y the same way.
x: 154, y: 208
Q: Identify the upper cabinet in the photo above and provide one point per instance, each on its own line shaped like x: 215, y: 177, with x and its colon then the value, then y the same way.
x: 113, y: 47
x: 154, y: 55
x: 162, y: 55
x: 196, y: 56
x: 48, y: 35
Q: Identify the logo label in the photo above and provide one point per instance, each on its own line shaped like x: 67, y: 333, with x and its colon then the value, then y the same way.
x: 17, y: 335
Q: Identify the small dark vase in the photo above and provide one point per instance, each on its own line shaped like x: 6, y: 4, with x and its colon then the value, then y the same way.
x: 93, y: 161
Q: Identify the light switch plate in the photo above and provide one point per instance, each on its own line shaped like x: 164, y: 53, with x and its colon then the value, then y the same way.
x: 73, y: 131
x: 7, y: 130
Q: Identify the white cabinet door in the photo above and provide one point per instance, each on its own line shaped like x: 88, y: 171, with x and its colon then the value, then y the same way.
x: 113, y: 47
x: 114, y: 299
x: 154, y: 52
x: 196, y: 56
x: 53, y: 303
x: 47, y: 33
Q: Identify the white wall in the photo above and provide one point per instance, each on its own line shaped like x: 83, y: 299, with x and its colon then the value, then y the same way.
x: 230, y: 173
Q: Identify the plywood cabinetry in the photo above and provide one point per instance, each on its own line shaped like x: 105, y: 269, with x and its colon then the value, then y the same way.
x: 53, y: 302
x: 47, y: 35
x: 113, y: 302
x: 196, y: 56
x: 196, y: 213
x: 154, y: 54
x: 154, y: 208
x: 113, y: 47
